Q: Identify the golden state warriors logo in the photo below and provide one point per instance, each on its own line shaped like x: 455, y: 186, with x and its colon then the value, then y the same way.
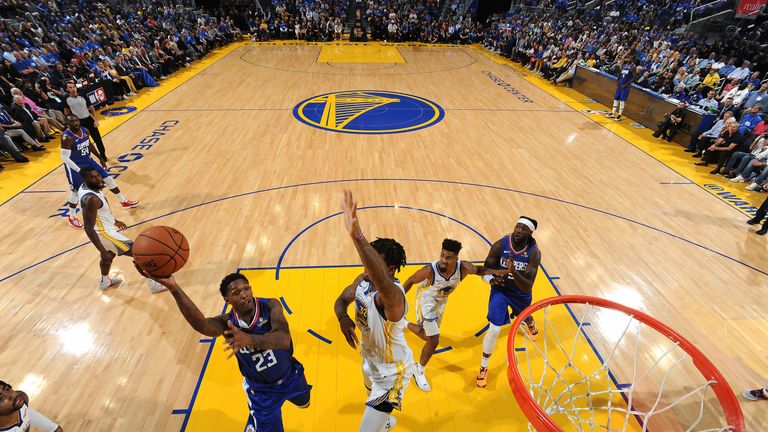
x: 368, y: 112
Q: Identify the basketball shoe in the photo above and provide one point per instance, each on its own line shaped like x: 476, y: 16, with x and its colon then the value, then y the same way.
x: 756, y: 394
x: 74, y: 222
x: 129, y: 204
x: 421, y: 380
x: 155, y: 287
x: 107, y: 282
x: 482, y: 377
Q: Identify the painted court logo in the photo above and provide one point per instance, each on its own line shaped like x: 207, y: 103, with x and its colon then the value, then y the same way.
x: 368, y: 112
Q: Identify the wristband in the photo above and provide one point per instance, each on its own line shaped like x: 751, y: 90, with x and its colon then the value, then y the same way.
x: 487, y: 278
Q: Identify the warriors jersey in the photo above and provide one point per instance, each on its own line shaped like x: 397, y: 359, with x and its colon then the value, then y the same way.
x: 105, y: 220
x: 24, y: 423
x: 442, y: 285
x: 382, y: 342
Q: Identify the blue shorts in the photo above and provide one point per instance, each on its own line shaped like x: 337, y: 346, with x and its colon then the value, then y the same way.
x: 74, y: 179
x: 266, y: 400
x: 622, y: 93
x: 501, y: 300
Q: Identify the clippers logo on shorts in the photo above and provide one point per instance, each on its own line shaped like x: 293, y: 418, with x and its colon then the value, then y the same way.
x: 370, y: 112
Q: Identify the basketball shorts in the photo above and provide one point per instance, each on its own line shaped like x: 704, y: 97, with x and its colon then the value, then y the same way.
x: 387, y: 381
x: 114, y: 242
x: 265, y: 401
x: 74, y: 179
x: 501, y: 300
x: 429, y: 310
x: 622, y: 93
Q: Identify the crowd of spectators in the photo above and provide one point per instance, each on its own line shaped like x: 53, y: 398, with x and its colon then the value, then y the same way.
x: 723, y: 76
x: 121, y: 48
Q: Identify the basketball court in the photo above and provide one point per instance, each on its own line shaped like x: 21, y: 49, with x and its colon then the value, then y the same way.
x: 248, y: 154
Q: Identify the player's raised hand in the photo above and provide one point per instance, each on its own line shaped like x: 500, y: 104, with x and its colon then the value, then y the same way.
x: 349, y: 208
x: 348, y: 330
x: 235, y: 339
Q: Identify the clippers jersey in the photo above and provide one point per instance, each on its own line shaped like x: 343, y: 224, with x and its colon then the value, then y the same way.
x: 442, y: 286
x: 105, y: 220
x: 81, y: 150
x: 519, y: 258
x: 261, y: 366
x: 382, y: 341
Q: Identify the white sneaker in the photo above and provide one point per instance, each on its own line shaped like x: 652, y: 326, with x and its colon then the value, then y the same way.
x: 753, y: 186
x: 738, y: 179
x: 421, y: 380
x: 110, y: 283
x: 390, y: 424
x: 155, y: 287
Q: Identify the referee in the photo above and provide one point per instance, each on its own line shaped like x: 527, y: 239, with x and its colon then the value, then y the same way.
x: 81, y: 108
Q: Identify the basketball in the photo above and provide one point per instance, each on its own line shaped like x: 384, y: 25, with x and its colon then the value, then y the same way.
x: 161, y: 251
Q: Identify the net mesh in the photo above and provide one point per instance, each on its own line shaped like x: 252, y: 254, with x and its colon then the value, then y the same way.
x: 571, y: 372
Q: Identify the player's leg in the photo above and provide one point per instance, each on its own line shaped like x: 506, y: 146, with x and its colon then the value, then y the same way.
x: 95, y: 136
x: 74, y: 181
x: 112, y: 186
x: 418, y: 328
x: 105, y: 264
x: 300, y: 390
x: 432, y: 310
x: 497, y: 318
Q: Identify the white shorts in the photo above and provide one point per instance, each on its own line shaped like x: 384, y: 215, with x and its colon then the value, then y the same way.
x: 387, y: 381
x: 115, y: 242
x: 429, y: 311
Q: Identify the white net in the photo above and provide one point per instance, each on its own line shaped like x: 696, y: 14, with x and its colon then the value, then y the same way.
x: 597, y: 369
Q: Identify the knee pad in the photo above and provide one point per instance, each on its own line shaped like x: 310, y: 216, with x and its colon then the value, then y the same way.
x: 489, y: 341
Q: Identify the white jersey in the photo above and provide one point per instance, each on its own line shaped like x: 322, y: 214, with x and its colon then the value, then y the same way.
x: 25, y: 421
x: 383, y: 342
x: 105, y: 220
x: 442, y: 286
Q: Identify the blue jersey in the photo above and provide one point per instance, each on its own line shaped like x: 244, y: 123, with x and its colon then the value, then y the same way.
x: 81, y: 148
x: 261, y: 366
x: 627, y: 75
x: 519, y: 259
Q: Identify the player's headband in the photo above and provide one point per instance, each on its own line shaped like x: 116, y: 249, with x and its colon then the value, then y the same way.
x: 527, y: 222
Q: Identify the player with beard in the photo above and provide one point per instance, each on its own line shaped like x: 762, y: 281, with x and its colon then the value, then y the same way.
x: 17, y: 416
x: 257, y: 334
x: 437, y: 280
x: 102, y: 228
x: 519, y: 253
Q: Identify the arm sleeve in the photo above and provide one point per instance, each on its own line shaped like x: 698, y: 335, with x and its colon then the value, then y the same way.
x: 41, y: 422
x: 65, y: 157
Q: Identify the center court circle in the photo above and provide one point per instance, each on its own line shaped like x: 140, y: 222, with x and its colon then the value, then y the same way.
x: 369, y: 112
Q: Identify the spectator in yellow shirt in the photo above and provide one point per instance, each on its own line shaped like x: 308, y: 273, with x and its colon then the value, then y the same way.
x: 712, y: 80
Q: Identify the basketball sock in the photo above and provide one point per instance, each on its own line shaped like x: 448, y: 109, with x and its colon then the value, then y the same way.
x: 484, y: 362
x: 110, y: 182
x: 373, y: 421
x: 72, y: 203
x: 104, y: 279
x: 121, y: 197
x: 489, y: 342
x: 621, y: 107
x: 615, y: 105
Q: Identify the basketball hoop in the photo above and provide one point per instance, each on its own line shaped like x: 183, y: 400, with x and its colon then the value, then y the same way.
x: 567, y: 381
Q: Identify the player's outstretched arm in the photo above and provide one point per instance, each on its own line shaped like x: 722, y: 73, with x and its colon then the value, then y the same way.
x: 420, y: 275
x: 340, y: 308
x: 467, y: 268
x: 212, y: 326
x: 391, y: 297
x: 278, y: 338
x: 524, y: 280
